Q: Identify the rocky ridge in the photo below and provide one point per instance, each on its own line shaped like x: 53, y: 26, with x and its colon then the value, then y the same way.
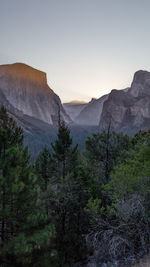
x: 25, y: 90
x: 128, y: 110
x: 74, y: 108
x: 91, y: 113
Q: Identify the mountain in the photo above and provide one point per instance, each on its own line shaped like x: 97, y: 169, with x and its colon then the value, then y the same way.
x: 91, y: 113
x: 75, y: 102
x: 36, y: 108
x: 129, y: 110
x: 73, y: 108
x: 25, y: 90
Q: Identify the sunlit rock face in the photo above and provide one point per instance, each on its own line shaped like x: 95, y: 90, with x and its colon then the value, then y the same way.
x: 26, y: 89
x: 127, y: 110
x: 91, y: 113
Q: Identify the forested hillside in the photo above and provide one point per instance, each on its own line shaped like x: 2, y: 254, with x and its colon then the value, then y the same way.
x: 72, y: 207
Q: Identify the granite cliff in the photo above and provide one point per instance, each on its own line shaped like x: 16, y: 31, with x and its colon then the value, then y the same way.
x: 91, y: 113
x: 74, y: 108
x: 128, y: 110
x: 25, y: 90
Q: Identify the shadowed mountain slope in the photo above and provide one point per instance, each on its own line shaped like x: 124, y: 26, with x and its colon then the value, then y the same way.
x: 129, y: 111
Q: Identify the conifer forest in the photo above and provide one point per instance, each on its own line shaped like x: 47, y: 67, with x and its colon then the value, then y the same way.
x: 71, y: 206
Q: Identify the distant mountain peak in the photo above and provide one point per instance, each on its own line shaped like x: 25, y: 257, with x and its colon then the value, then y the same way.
x: 75, y: 102
x: 93, y: 99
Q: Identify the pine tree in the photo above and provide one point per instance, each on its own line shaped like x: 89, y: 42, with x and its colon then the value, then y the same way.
x: 44, y: 167
x: 68, y: 199
x: 10, y: 135
x: 103, y: 151
x: 44, y: 170
x: 24, y: 226
x: 64, y: 155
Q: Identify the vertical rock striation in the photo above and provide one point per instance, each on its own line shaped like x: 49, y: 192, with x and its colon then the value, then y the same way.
x: 26, y: 89
x: 91, y: 113
x: 129, y: 110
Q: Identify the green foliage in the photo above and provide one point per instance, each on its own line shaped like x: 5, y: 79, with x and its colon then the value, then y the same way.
x: 129, y: 191
x: 10, y: 134
x: 24, y: 226
x: 67, y: 195
x: 141, y: 137
x: 133, y: 176
x: 94, y: 209
x: 120, y: 209
x: 103, y: 151
x: 69, y: 205
x: 44, y: 167
x: 65, y: 156
x: 70, y: 219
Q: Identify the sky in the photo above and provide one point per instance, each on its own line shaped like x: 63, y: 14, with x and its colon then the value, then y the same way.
x: 86, y: 47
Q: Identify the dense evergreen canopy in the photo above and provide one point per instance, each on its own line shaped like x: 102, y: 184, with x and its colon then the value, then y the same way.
x: 71, y: 205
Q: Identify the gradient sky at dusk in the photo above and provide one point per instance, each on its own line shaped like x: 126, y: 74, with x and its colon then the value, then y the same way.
x: 86, y: 47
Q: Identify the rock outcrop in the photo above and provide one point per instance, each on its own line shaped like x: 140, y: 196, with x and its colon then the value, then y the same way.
x: 129, y: 110
x: 74, y: 108
x: 25, y: 90
x: 91, y: 113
